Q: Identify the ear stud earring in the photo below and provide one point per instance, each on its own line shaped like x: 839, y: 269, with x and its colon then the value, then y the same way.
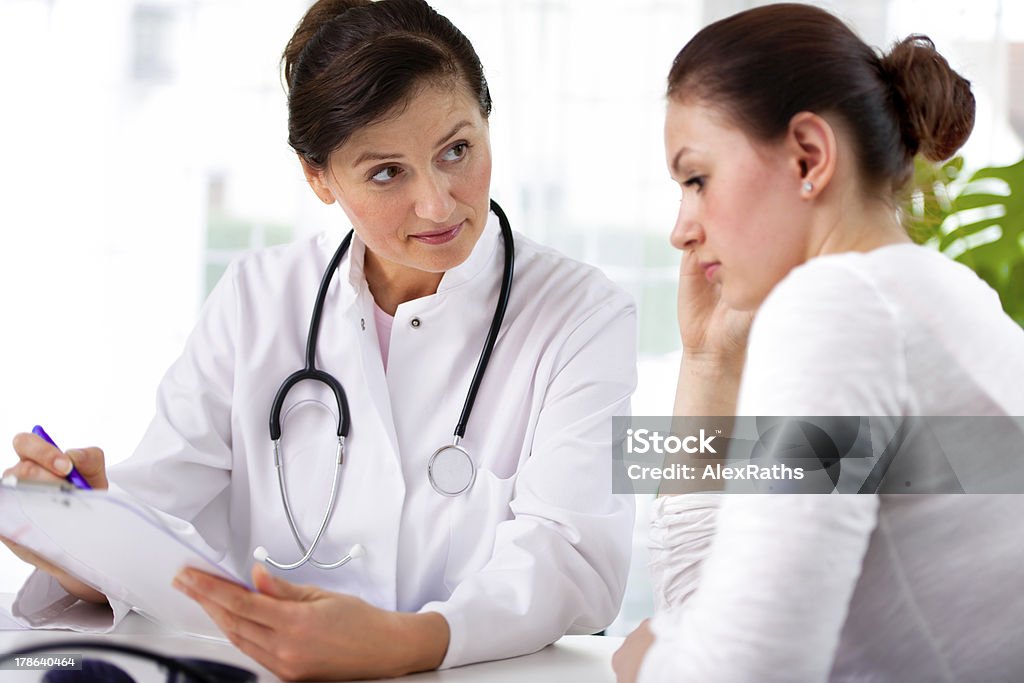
x: 808, y: 186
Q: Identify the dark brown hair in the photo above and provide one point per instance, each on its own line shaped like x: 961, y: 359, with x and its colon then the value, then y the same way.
x: 763, y: 66
x: 351, y: 62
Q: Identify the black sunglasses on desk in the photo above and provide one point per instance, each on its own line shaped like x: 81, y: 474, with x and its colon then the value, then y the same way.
x: 86, y: 669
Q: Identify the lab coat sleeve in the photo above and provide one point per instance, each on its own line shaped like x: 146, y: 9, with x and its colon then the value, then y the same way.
x: 560, y: 564
x: 182, y: 464
x: 43, y: 603
x: 184, y: 460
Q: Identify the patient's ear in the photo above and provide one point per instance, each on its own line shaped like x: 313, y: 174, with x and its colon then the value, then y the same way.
x: 316, y: 179
x: 811, y: 144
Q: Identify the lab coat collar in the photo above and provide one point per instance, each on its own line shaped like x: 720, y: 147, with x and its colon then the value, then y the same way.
x: 479, y: 259
x: 355, y: 260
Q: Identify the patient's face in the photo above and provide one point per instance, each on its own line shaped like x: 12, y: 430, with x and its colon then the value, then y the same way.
x: 740, y: 210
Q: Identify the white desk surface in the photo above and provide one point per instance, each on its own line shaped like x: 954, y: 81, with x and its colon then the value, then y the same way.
x: 572, y: 658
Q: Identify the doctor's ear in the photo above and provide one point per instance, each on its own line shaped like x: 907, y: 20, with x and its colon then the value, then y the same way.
x: 812, y: 145
x: 316, y: 179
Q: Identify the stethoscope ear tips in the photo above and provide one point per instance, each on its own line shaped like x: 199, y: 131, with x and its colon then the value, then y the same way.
x: 260, y: 554
x: 357, y: 551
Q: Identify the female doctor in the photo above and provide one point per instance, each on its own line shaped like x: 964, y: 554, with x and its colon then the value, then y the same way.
x: 491, y: 550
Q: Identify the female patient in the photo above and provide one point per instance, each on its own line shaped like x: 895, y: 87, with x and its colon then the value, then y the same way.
x: 790, y: 140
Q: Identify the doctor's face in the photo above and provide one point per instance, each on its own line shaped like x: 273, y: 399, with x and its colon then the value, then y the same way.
x: 415, y: 185
x: 740, y: 211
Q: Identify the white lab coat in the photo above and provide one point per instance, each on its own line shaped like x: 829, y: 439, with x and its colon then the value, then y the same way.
x: 539, y: 547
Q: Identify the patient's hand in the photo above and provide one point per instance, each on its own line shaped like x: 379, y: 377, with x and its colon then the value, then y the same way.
x: 708, y: 326
x: 714, y: 337
x: 627, y: 659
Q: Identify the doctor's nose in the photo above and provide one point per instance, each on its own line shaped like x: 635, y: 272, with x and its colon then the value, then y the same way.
x: 434, y: 201
x: 687, y: 233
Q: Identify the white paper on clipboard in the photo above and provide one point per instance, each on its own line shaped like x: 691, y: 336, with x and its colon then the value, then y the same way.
x: 113, y: 543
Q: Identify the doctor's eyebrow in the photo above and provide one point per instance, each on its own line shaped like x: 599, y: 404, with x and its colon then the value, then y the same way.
x: 455, y: 129
x: 381, y: 156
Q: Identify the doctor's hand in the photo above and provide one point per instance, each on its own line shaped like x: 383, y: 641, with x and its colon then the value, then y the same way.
x: 306, y: 633
x: 72, y: 585
x: 627, y: 659
x: 41, y: 461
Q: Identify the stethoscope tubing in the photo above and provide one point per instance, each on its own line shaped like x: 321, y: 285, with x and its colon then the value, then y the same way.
x: 310, y: 372
x: 308, y: 553
x: 499, y: 316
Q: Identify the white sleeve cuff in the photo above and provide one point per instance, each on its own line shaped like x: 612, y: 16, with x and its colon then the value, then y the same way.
x: 679, y: 540
x: 455, y: 655
x: 43, y: 603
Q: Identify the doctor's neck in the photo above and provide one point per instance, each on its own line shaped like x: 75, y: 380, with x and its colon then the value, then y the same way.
x: 392, y: 284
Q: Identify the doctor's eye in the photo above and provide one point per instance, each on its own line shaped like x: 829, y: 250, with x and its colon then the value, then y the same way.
x: 455, y: 152
x: 386, y: 175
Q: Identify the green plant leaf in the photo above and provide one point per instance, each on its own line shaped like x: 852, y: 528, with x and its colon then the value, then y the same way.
x: 936, y: 214
x: 1000, y: 261
x: 977, y: 201
x: 963, y: 231
x: 930, y: 200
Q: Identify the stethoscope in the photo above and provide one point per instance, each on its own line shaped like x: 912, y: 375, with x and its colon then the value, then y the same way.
x: 450, y: 470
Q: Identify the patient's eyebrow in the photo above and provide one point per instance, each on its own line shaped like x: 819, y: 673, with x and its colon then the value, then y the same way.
x: 679, y: 155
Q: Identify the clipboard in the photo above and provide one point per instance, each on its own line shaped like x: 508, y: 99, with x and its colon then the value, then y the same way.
x: 113, y: 543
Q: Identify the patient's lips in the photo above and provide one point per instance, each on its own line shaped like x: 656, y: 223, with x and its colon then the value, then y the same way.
x: 710, y: 268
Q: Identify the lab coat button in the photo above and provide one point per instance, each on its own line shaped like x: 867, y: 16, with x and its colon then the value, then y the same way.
x: 362, y: 323
x: 415, y: 322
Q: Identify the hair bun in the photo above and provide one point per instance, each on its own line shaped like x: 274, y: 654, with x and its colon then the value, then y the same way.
x: 934, y: 103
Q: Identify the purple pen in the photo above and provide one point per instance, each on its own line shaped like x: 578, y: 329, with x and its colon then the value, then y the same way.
x: 73, y: 476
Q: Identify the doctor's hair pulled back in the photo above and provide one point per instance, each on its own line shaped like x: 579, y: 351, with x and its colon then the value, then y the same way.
x: 762, y: 66
x: 352, y: 62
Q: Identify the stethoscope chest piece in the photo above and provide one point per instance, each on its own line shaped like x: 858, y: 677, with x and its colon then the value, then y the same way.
x: 451, y: 471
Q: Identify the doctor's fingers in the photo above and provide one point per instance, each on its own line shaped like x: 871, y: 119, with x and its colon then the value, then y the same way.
x: 285, y: 656
x: 288, y: 655
x: 247, y: 635
x: 71, y: 584
x: 28, y: 556
x: 90, y: 462
x: 260, y: 655
x: 30, y: 447
x: 233, y: 599
x: 263, y: 643
x: 27, y: 470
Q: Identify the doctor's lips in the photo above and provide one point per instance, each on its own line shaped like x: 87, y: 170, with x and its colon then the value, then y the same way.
x: 710, y: 268
x: 440, y: 236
